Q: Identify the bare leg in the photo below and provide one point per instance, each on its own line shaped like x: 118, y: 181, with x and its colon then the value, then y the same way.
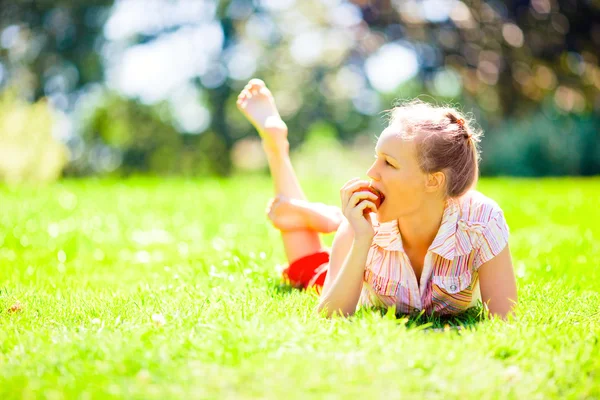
x: 257, y: 104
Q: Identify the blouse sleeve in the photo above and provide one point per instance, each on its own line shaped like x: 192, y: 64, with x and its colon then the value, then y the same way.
x: 493, y: 241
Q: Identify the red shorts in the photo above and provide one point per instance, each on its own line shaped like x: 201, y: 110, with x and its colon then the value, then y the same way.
x: 308, y: 271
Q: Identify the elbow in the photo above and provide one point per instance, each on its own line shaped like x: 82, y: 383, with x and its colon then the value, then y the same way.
x: 325, y: 310
x: 504, y: 311
x: 499, y: 315
x: 322, y: 311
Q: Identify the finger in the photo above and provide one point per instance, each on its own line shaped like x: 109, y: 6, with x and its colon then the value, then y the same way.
x: 362, y: 206
x: 365, y: 191
x: 346, y: 190
x: 354, y: 188
x: 358, y: 196
x: 344, y: 196
x: 345, y: 185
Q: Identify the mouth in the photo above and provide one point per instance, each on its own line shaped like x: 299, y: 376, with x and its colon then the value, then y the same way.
x: 379, y: 193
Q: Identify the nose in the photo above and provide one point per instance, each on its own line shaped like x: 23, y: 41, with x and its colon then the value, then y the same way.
x: 372, y: 172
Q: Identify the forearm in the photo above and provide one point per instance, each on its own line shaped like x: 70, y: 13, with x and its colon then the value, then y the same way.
x: 345, y: 291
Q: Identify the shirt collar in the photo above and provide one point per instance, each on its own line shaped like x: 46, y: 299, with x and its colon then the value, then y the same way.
x: 449, y: 242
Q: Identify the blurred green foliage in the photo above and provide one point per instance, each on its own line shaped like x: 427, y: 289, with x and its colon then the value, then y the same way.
x: 544, y: 145
x: 170, y: 71
x: 28, y: 150
x: 128, y: 137
x: 51, y: 47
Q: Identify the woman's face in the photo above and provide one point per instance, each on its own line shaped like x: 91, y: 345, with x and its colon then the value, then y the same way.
x: 396, y: 173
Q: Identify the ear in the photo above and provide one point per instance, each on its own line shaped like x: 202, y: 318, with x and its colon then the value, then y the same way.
x: 435, y: 181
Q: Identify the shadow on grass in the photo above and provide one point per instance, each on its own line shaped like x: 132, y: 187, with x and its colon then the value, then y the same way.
x: 468, y: 319
x: 284, y: 289
x: 444, y: 323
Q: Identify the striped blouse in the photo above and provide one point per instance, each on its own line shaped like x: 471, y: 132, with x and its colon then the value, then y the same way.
x: 473, y: 231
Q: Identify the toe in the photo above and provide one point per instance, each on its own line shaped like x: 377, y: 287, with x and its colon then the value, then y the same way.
x: 256, y: 83
x: 242, y: 100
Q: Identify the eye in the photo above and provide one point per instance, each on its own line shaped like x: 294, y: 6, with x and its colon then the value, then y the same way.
x: 386, y: 161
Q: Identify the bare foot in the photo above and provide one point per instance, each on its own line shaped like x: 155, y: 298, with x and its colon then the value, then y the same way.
x: 285, y: 214
x: 258, y: 105
x: 291, y: 214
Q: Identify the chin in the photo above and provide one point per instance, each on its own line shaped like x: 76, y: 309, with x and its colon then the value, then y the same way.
x: 382, y: 217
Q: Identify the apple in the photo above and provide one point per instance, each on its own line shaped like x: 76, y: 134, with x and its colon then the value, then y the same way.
x: 377, y: 202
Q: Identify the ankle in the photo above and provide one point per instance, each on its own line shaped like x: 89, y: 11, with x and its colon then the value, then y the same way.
x: 277, y: 149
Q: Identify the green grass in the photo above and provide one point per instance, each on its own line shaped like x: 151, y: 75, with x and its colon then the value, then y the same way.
x: 92, y: 261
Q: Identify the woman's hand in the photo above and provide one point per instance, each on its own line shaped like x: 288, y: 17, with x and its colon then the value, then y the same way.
x: 354, y: 204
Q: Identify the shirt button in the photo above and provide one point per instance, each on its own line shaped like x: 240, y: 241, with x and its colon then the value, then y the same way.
x: 452, y: 287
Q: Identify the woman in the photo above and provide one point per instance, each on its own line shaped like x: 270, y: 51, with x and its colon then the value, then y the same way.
x: 434, y: 244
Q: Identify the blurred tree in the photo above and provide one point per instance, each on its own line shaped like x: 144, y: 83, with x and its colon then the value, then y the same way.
x: 510, y: 55
x: 505, y: 60
x: 555, y: 144
x: 336, y: 61
x: 128, y: 137
x: 51, y: 48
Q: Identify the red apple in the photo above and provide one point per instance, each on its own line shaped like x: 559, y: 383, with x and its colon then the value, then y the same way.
x: 376, y: 192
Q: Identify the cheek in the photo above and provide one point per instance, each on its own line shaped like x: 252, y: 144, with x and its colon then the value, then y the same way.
x: 407, y: 183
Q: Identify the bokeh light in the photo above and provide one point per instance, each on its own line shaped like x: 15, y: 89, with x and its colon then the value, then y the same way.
x: 170, y: 72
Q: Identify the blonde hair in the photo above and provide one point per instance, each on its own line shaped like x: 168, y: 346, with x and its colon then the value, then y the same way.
x: 445, y: 140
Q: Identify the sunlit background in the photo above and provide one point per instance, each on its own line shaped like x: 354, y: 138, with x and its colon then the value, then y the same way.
x: 149, y: 86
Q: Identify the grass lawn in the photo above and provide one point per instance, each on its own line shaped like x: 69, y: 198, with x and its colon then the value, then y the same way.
x: 167, y: 289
